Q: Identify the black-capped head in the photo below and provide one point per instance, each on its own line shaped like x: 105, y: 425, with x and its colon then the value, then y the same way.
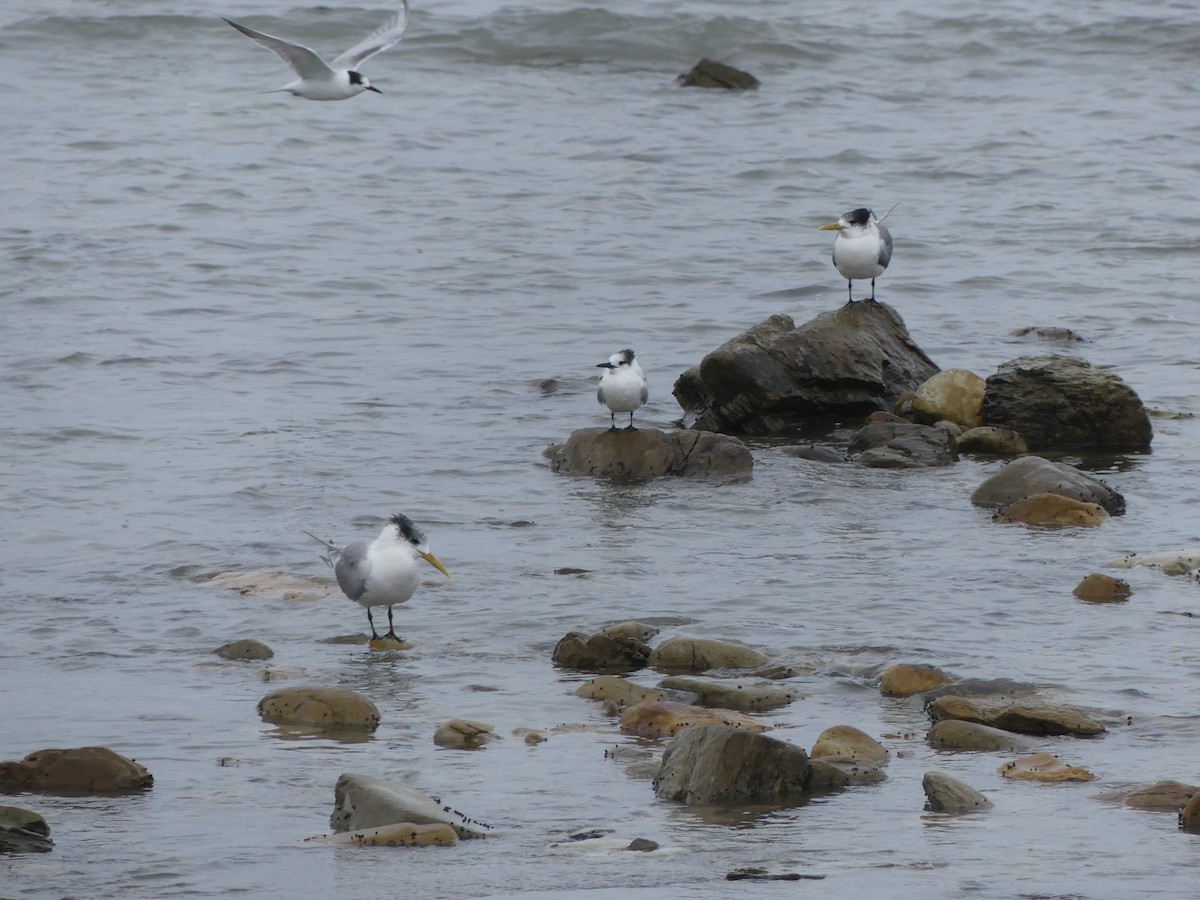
x: 360, y: 80
x: 860, y: 216
x: 408, y: 530
x: 626, y: 357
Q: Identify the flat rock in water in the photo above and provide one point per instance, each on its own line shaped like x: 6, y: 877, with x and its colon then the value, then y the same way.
x: 1162, y: 796
x: 715, y: 763
x: 649, y: 453
x: 398, y: 834
x: 958, y: 734
x: 1031, y: 475
x: 244, y: 649
x: 776, y: 376
x: 1064, y: 402
x: 1181, y: 562
x: 273, y: 584
x: 654, y: 719
x: 1021, y: 718
x: 836, y: 772
x: 944, y: 793
x: 897, y: 445
x: 709, y: 73
x: 78, y: 770
x: 1052, y: 511
x: 464, y: 734
x: 619, y: 690
x: 696, y: 654
x: 319, y: 707
x: 1043, y: 766
x: 600, y: 652
x: 363, y: 801
x: 731, y: 693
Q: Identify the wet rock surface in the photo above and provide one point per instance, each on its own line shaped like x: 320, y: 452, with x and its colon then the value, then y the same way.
x: 897, y: 445
x: 777, y: 376
x: 364, y: 801
x: 649, y: 453
x: 319, y: 707
x: 1030, y: 475
x: 77, y: 770
x: 1064, y: 402
x: 945, y: 793
x: 709, y: 73
x: 716, y: 763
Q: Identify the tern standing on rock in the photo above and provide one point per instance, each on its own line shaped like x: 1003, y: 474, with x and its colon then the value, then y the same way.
x: 382, y: 572
x: 337, y: 80
x: 622, y: 386
x: 862, y: 248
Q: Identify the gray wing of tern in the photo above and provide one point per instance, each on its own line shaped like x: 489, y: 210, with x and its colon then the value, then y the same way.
x: 386, y: 36
x: 304, y: 62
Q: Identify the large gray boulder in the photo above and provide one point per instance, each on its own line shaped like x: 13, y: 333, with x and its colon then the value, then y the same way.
x: 776, y: 376
x: 717, y: 763
x: 1064, y: 402
x: 1030, y: 475
x: 649, y: 453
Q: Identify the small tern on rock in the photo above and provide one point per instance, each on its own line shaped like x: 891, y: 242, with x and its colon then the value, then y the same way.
x: 338, y: 80
x: 622, y: 386
x: 382, y: 572
x: 862, y: 248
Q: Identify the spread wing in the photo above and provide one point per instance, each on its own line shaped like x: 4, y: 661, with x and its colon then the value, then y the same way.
x: 304, y: 62
x: 384, y: 37
x: 352, y: 570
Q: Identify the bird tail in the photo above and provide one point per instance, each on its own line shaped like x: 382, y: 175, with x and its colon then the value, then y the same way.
x: 333, y: 548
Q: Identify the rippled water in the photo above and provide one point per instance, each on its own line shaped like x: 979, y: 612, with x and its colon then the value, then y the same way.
x: 230, y: 316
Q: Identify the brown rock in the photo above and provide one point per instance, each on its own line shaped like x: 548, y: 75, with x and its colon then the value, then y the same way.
x: 464, y: 734
x: 695, y: 654
x: 944, y: 793
x: 77, y: 770
x: 1052, y: 511
x: 621, y: 690
x: 957, y: 734
x: 709, y: 73
x: 848, y: 741
x: 1162, y: 796
x: 891, y: 445
x: 994, y: 440
x: 320, y: 707
x: 730, y: 693
x: 398, y: 834
x: 714, y: 764
x: 245, y: 649
x: 1029, y: 475
x: 600, y: 653
x: 649, y: 453
x: 1022, y: 718
x: 1100, y: 588
x: 653, y: 719
x: 1043, y: 766
x: 834, y: 772
x: 953, y: 394
x: 904, y: 680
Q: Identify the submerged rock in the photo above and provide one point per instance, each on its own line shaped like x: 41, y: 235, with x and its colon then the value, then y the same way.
x: 959, y: 734
x: 659, y: 719
x: 1162, y: 796
x: 85, y: 770
x: 600, y: 652
x: 715, y: 763
x: 709, y: 73
x: 319, y: 707
x: 363, y: 801
x: 398, y: 834
x: 1064, y: 402
x: 696, y: 654
x: 896, y: 445
x: 464, y: 734
x: 1043, y: 766
x: 1182, y: 562
x: 836, y: 772
x: 1032, y: 475
x: 244, y: 649
x: 648, y: 453
x: 993, y: 440
x: 1052, y: 511
x: 619, y: 690
x: 1189, y: 816
x: 729, y: 693
x: 944, y: 793
x: 1100, y: 588
x: 777, y: 376
x: 1021, y: 718
x: 23, y: 831
x: 849, y: 742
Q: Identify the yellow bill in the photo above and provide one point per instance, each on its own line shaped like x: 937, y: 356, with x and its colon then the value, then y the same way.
x: 435, y: 562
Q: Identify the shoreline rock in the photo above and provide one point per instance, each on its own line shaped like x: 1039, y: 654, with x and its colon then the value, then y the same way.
x: 650, y: 453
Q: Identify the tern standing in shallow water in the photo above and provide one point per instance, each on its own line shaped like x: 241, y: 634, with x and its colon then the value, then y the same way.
x: 338, y: 80
x: 862, y: 248
x: 382, y: 572
x: 622, y: 386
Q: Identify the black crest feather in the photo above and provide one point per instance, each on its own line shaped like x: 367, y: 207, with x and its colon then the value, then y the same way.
x: 408, y: 529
